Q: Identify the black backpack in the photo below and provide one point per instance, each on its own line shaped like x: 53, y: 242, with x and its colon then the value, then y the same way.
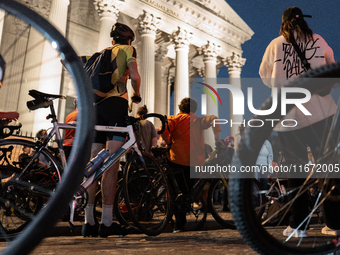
x: 99, y: 67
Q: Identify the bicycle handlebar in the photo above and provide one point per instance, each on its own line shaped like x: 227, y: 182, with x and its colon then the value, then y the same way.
x: 11, y: 129
x: 136, y: 99
x: 161, y: 117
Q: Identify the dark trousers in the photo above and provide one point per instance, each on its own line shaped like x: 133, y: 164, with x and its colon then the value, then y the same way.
x: 294, y: 149
x: 185, y: 184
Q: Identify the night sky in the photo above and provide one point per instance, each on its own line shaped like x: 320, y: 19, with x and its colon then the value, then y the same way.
x: 264, y: 18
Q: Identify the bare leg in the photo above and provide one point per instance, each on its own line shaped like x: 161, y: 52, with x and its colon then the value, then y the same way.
x: 109, y: 183
x: 89, y: 217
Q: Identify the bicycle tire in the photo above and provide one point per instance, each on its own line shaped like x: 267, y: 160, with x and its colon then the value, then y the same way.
x: 263, y: 239
x: 220, y: 209
x: 259, y: 198
x: 195, y: 211
x: 57, y: 204
x: 24, y: 201
x: 146, y: 194
x: 119, y: 207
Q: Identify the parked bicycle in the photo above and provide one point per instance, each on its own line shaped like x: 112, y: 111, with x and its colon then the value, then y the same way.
x: 200, y: 200
x: 139, y: 165
x: 277, y: 196
x: 26, y: 182
x: 144, y: 184
x: 24, y: 188
x: 321, y: 177
x: 49, y: 38
x: 218, y: 201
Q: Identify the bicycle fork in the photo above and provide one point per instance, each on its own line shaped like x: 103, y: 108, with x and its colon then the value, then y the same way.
x: 92, y: 178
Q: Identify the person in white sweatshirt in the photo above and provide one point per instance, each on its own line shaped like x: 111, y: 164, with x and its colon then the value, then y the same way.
x: 281, y: 63
x: 264, y: 159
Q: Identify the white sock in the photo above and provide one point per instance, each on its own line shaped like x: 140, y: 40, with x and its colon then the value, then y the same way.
x: 89, y: 217
x: 107, y: 215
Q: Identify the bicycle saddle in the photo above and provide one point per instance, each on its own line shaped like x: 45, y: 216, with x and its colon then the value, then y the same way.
x: 43, y: 96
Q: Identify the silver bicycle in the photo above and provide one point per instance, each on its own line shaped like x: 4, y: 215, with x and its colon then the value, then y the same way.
x: 34, y: 213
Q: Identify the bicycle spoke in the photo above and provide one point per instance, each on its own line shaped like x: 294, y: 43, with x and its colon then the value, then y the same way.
x: 313, y: 189
x: 23, y: 197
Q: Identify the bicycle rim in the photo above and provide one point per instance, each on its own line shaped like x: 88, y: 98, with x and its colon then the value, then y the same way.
x: 22, y: 199
x: 119, y: 207
x: 146, y: 195
x: 268, y: 238
x: 218, y: 203
x: 27, y: 19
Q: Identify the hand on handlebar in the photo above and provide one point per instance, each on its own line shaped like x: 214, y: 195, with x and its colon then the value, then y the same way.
x: 219, y: 144
x: 136, y: 99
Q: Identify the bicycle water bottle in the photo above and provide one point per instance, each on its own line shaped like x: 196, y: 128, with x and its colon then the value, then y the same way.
x: 93, y: 165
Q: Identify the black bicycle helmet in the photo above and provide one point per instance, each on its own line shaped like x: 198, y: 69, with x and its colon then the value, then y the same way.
x: 120, y: 30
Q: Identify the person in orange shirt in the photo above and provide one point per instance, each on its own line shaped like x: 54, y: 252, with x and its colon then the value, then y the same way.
x: 186, y: 152
x: 70, y: 133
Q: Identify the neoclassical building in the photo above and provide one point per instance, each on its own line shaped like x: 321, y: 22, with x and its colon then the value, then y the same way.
x: 175, y: 40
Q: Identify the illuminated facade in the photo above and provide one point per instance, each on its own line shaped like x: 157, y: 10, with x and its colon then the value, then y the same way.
x: 175, y: 40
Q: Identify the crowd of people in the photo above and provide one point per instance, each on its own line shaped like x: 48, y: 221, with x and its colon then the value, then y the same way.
x: 185, y: 152
x: 275, y: 71
x: 185, y: 133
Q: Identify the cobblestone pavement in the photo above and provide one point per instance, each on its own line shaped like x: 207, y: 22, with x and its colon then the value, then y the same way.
x: 220, y: 241
x: 211, y: 240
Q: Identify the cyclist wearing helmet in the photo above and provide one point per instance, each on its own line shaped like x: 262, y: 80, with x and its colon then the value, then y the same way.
x: 112, y: 111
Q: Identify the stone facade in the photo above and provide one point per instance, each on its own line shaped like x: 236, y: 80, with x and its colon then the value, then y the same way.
x: 174, y: 38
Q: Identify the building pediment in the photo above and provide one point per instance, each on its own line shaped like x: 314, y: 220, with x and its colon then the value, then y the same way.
x: 223, y: 10
x: 215, y: 19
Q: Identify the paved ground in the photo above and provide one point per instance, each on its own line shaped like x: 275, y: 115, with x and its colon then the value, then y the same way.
x: 211, y: 240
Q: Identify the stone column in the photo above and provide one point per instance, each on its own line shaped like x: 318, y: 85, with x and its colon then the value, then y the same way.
x: 13, y: 52
x: 160, y: 84
x: 170, y: 78
x: 32, y: 68
x: 2, y: 19
x: 181, y: 40
x: 108, y: 11
x: 31, y: 74
x: 234, y: 64
x: 210, y: 52
x: 147, y: 27
x: 51, y: 69
x: 58, y: 14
